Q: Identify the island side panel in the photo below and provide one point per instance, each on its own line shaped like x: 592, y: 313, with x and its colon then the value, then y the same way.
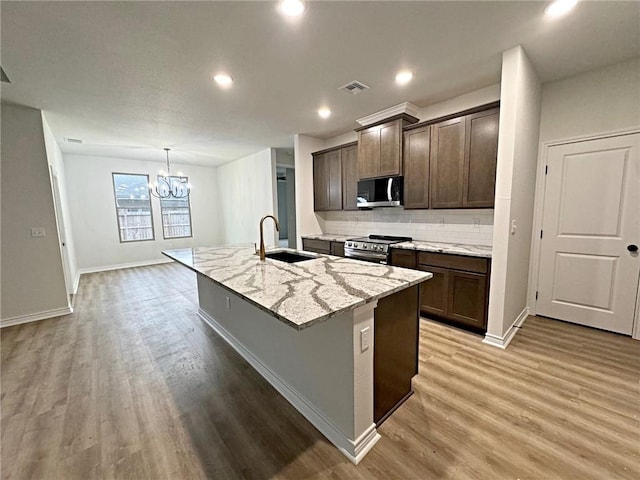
x: 322, y: 365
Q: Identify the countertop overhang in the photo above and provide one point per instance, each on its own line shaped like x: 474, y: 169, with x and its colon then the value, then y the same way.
x: 299, y: 294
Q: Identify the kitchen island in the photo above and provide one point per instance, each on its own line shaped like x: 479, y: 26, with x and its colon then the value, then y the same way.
x: 309, y: 329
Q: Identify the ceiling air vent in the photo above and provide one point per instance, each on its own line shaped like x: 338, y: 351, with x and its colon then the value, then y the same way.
x: 73, y: 140
x: 354, y: 87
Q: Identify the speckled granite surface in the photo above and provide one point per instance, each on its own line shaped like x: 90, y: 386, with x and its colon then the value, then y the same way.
x: 451, y: 248
x: 299, y: 294
x: 331, y: 237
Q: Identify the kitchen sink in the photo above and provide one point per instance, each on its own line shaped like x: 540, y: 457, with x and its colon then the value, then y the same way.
x: 289, y: 257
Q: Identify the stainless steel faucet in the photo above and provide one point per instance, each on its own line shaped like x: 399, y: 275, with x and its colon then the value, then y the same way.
x: 262, y: 235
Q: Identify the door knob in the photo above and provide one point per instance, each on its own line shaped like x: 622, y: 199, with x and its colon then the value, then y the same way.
x: 632, y: 248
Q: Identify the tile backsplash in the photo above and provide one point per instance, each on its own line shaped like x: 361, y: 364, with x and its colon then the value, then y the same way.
x: 451, y: 226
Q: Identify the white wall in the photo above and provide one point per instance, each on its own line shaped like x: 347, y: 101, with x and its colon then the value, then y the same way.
x: 307, y: 222
x: 515, y: 185
x: 248, y: 192
x: 56, y: 163
x: 598, y: 101
x: 33, y: 285
x: 93, y: 212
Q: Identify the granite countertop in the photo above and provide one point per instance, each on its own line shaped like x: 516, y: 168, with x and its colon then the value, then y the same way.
x: 330, y: 237
x: 450, y: 248
x: 299, y: 294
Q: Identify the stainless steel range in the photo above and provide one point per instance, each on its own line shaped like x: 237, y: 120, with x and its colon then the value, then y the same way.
x: 374, y: 248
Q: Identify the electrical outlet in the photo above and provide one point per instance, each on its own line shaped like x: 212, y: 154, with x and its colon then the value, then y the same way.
x: 441, y: 222
x: 37, y: 232
x: 365, y: 341
x: 514, y: 227
x: 476, y: 223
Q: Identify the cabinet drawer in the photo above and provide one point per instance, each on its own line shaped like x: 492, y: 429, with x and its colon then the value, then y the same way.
x: 318, y: 246
x: 337, y: 249
x: 403, y: 258
x: 456, y: 262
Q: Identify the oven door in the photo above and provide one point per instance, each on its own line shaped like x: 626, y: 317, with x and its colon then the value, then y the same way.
x: 373, y: 257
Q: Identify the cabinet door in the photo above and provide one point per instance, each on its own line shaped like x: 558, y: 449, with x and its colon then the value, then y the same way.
x: 403, y: 258
x: 337, y: 249
x: 417, y: 145
x: 434, y: 293
x: 333, y: 169
x: 447, y: 163
x: 481, y: 153
x: 369, y: 152
x: 320, y: 184
x: 466, y: 303
x: 390, y: 149
x: 317, y: 246
x: 349, y: 177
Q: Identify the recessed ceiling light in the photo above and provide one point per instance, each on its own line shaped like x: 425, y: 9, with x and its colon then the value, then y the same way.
x: 324, y: 112
x: 558, y: 8
x: 404, y: 77
x: 222, y: 79
x: 292, y: 8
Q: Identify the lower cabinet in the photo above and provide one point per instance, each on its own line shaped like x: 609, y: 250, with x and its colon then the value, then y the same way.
x: 395, y: 352
x: 458, y: 293
x: 323, y: 246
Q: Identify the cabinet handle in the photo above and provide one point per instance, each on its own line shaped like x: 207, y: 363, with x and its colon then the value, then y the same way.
x: 632, y: 248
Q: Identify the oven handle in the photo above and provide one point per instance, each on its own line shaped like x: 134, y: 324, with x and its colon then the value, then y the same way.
x: 371, y: 257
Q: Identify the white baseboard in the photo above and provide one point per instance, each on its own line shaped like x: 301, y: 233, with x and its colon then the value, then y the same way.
x: 122, y: 265
x: 502, y: 342
x: 34, y: 317
x: 354, y: 450
x: 76, y: 283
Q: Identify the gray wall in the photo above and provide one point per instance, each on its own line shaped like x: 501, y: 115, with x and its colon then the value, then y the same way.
x: 32, y: 275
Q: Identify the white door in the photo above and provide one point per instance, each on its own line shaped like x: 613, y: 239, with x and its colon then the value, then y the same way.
x: 591, y: 221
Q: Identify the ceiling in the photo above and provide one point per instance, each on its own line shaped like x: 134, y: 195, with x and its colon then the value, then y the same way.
x: 129, y: 78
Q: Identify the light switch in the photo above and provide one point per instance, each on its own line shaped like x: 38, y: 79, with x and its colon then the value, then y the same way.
x: 365, y: 340
x: 37, y: 232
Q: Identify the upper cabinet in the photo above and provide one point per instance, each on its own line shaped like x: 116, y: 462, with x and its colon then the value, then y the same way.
x: 417, y: 148
x: 380, y: 147
x: 447, y: 163
x: 481, y: 154
x: 335, y: 178
x: 452, y: 163
x: 327, y: 181
x: 349, y: 155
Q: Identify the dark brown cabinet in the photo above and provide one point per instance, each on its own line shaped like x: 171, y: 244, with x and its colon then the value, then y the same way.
x: 481, y: 154
x: 452, y: 163
x: 417, y: 148
x: 403, y: 258
x: 458, y: 293
x: 380, y: 147
x: 335, y: 178
x: 327, y: 181
x: 447, y: 164
x: 349, y: 156
x: 323, y: 246
x: 395, y: 352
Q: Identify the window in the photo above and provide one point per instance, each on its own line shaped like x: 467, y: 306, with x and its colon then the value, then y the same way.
x: 176, y: 214
x: 133, y: 207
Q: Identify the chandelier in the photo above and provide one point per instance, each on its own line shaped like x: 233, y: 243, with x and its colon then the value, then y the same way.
x: 170, y: 186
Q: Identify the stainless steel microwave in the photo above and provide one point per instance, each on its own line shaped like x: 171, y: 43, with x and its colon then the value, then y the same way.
x: 380, y: 192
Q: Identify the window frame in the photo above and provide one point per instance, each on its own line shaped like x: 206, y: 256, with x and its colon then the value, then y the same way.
x: 115, y: 203
x: 188, y: 206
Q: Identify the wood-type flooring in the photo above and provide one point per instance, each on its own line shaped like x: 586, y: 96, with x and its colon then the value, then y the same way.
x: 133, y: 385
